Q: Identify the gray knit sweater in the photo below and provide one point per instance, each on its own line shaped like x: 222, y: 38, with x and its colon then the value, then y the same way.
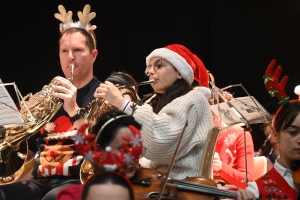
x: 161, y: 132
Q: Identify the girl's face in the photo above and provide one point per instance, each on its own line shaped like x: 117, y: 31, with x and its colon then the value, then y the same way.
x: 289, y: 141
x: 117, y: 146
x: 107, y: 191
x: 163, y: 73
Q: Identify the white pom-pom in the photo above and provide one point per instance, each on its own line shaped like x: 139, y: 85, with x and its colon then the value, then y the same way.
x: 108, y: 149
x: 297, y: 90
x: 204, y: 90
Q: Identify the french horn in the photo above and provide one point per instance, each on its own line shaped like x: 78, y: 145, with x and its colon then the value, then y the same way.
x: 97, y: 108
x: 36, y: 110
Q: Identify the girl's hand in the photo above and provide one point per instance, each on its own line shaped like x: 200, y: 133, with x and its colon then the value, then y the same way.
x: 109, y: 92
x: 217, y: 163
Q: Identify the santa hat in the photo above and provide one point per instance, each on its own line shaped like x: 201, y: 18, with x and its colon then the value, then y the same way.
x: 187, y: 63
x: 61, y: 128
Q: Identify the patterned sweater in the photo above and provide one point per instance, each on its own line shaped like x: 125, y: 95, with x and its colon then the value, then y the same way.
x: 273, y: 186
x: 160, y: 133
x: 230, y: 146
x: 277, y: 183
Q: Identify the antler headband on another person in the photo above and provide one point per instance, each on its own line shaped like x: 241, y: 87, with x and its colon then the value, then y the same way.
x: 277, y: 88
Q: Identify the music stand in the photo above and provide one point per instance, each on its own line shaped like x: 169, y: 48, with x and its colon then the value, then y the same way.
x: 241, y: 111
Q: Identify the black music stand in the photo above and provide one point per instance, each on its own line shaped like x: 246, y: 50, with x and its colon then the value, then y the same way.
x: 241, y: 111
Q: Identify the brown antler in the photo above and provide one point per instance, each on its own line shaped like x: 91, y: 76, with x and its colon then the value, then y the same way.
x: 272, y: 84
x: 85, y: 17
x: 63, y: 16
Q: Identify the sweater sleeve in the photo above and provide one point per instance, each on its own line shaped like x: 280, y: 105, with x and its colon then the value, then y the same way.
x: 237, y: 174
x: 72, y: 192
x: 160, y: 132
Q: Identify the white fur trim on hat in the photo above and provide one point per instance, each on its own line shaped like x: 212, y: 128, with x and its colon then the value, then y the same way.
x: 176, y: 60
x: 204, y: 90
x: 60, y: 136
x: 297, y: 91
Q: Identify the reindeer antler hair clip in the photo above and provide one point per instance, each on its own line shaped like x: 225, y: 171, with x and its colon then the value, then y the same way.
x: 84, y: 20
x: 272, y: 83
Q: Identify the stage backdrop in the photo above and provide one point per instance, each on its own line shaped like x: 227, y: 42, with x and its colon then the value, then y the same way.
x: 236, y: 40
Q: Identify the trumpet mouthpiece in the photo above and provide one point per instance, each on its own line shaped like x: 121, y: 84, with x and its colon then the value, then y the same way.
x: 151, y: 81
x: 72, y: 73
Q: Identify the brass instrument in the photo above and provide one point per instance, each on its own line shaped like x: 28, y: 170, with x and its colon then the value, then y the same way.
x: 36, y: 110
x: 97, y: 108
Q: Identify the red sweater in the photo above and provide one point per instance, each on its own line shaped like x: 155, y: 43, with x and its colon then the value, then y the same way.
x: 230, y: 146
x: 70, y: 193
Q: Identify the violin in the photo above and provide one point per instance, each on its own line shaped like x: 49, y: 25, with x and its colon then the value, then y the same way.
x: 146, y: 185
x: 296, y: 173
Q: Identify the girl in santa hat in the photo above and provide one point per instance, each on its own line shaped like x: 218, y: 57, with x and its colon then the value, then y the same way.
x: 173, y: 69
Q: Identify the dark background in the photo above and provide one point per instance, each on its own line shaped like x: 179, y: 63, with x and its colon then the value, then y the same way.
x: 236, y: 40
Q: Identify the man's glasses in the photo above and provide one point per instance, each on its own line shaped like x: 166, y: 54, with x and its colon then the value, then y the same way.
x: 157, y: 65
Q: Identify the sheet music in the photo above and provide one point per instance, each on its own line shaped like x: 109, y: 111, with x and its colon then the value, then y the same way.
x: 228, y: 116
x: 240, y: 111
x: 9, y: 113
x: 252, y: 112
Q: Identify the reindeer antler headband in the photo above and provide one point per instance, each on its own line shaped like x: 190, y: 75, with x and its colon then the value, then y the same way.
x: 276, y: 87
x: 84, y: 20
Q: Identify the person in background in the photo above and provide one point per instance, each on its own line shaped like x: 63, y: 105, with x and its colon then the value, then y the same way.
x: 270, y: 147
x: 229, y: 162
x: 174, y: 104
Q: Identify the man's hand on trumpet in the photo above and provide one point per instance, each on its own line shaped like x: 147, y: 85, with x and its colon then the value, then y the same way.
x: 67, y: 92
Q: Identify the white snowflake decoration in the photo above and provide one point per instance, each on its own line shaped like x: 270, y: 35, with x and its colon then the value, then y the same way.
x: 229, y: 139
x: 89, y: 156
x: 136, y: 141
x: 79, y: 139
x: 128, y: 159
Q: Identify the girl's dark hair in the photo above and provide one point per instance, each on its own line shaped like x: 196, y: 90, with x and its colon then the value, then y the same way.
x: 89, y: 39
x: 108, y: 134
x: 121, y: 78
x: 104, y: 178
x: 287, y: 116
x: 179, y: 88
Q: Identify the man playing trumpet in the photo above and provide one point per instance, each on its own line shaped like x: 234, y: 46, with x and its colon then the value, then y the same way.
x: 57, y: 164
